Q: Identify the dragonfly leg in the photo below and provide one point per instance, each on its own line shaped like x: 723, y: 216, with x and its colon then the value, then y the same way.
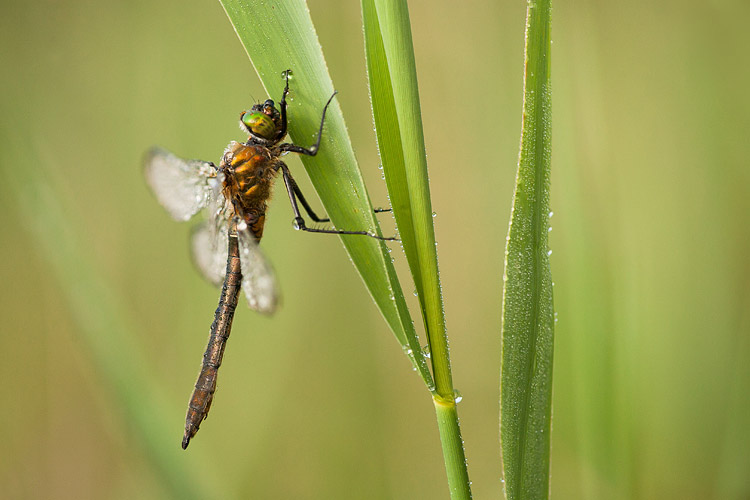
x: 312, y: 150
x: 282, y: 107
x: 303, y: 201
x: 299, y: 223
x: 309, y: 210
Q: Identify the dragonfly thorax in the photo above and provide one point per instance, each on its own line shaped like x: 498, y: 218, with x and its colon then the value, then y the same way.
x: 249, y: 171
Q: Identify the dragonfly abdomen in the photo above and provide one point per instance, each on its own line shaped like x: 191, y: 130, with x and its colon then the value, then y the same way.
x: 200, y: 401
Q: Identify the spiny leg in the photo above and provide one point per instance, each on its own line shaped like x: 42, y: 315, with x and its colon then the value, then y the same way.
x: 282, y: 106
x: 299, y: 222
x: 309, y: 210
x: 313, y: 150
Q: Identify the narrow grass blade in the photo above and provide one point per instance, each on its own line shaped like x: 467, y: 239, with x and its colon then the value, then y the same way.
x: 388, y: 133
x: 528, y: 314
x: 107, y: 335
x: 396, y: 111
x: 396, y: 107
x: 279, y: 36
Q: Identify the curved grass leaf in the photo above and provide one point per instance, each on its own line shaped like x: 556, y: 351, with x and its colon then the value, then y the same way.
x: 388, y: 133
x: 528, y: 314
x: 279, y: 36
x: 398, y: 123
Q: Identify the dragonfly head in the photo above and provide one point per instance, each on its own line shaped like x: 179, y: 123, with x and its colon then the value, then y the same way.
x: 262, y: 121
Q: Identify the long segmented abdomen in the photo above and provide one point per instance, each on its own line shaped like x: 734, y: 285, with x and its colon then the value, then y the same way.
x: 200, y: 400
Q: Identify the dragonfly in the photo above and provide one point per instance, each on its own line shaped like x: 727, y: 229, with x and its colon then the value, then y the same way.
x: 225, y: 247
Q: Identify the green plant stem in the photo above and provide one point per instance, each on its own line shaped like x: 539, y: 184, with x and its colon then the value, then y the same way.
x: 453, y: 448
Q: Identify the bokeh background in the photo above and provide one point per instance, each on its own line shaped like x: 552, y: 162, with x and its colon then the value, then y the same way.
x: 651, y: 239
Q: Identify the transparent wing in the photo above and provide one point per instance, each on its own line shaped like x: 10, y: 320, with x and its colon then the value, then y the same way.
x: 210, y: 239
x: 258, y: 281
x: 209, y: 250
x: 183, y: 187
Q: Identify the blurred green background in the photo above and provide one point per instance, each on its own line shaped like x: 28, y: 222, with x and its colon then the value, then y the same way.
x: 651, y: 241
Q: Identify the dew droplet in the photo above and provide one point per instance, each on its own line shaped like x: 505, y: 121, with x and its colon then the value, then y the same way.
x: 426, y: 351
x: 457, y: 397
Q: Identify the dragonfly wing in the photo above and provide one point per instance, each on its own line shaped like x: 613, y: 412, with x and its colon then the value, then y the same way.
x: 182, y: 186
x: 209, y: 250
x: 210, y: 239
x: 258, y: 281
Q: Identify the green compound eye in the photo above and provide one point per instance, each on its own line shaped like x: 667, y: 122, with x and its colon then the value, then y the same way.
x: 260, y: 124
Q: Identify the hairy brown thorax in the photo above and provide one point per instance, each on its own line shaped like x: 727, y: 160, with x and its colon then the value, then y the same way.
x: 249, y: 172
